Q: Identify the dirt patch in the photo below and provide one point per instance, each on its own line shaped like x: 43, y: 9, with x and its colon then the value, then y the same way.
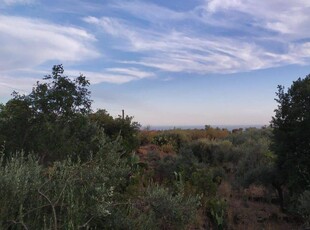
x: 249, y: 209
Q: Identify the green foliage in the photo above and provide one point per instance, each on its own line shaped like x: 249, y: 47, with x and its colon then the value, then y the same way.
x: 215, y: 133
x: 291, y: 129
x: 303, y: 206
x: 63, y: 167
x: 256, y: 162
x: 249, y: 135
x: 19, y: 181
x: 126, y: 128
x: 217, y: 209
x: 16, y: 121
x: 178, y: 137
x: 186, y: 163
x: 203, y: 182
x: 204, y: 150
x: 168, y: 139
x: 51, y: 120
x: 212, y: 151
x: 160, y: 209
x: 166, y: 169
x: 67, y: 195
x: 59, y: 96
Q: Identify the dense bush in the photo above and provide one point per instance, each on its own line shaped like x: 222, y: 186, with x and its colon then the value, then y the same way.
x: 303, y: 206
x: 217, y: 209
x: 68, y: 194
x: 166, y: 169
x: 256, y: 157
x: 212, y: 151
x: 203, y: 182
x: 166, y: 139
x: 159, y: 209
x: 125, y: 128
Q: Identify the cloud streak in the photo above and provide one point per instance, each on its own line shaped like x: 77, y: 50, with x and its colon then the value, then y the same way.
x: 8, y: 84
x: 113, y: 75
x: 23, y: 85
x: 284, y: 17
x: 178, y: 50
x: 31, y: 42
x: 16, y: 2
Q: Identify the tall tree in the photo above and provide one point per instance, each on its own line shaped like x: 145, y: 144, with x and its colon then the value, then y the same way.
x: 51, y: 120
x: 291, y: 129
x: 59, y: 96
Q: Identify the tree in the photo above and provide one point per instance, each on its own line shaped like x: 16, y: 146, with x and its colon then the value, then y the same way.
x: 15, y: 124
x: 291, y: 135
x: 60, y: 96
x: 52, y: 120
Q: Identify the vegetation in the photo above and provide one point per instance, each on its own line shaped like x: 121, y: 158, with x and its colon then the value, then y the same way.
x: 67, y: 195
x: 63, y: 166
x: 291, y: 129
x: 125, y: 128
x: 51, y: 120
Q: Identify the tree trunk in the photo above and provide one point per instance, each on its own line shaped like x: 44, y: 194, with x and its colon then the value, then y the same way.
x: 280, y: 194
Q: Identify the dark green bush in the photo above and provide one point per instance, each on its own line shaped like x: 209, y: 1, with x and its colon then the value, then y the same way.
x: 166, y: 168
x: 203, y: 183
x: 212, y: 151
x: 303, y: 207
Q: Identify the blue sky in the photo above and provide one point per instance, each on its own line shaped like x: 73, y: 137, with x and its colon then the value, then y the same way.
x: 190, y: 62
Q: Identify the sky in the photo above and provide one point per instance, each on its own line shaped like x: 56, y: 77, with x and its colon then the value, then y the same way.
x: 190, y: 62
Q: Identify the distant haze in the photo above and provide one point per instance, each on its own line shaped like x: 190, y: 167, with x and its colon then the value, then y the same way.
x: 228, y: 127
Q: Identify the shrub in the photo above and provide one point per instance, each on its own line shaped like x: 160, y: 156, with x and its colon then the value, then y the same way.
x: 69, y: 194
x: 256, y: 159
x: 166, y: 168
x: 212, y: 151
x: 168, y: 139
x: 20, y: 178
x: 217, y: 209
x: 159, y: 209
x: 304, y: 206
x: 203, y: 182
x: 204, y: 150
x: 123, y: 127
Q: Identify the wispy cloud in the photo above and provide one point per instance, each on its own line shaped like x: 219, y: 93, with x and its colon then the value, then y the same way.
x: 17, y: 2
x: 180, y: 50
x: 285, y: 17
x: 113, y: 75
x: 134, y: 72
x: 31, y: 42
x: 150, y: 12
x: 8, y: 84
